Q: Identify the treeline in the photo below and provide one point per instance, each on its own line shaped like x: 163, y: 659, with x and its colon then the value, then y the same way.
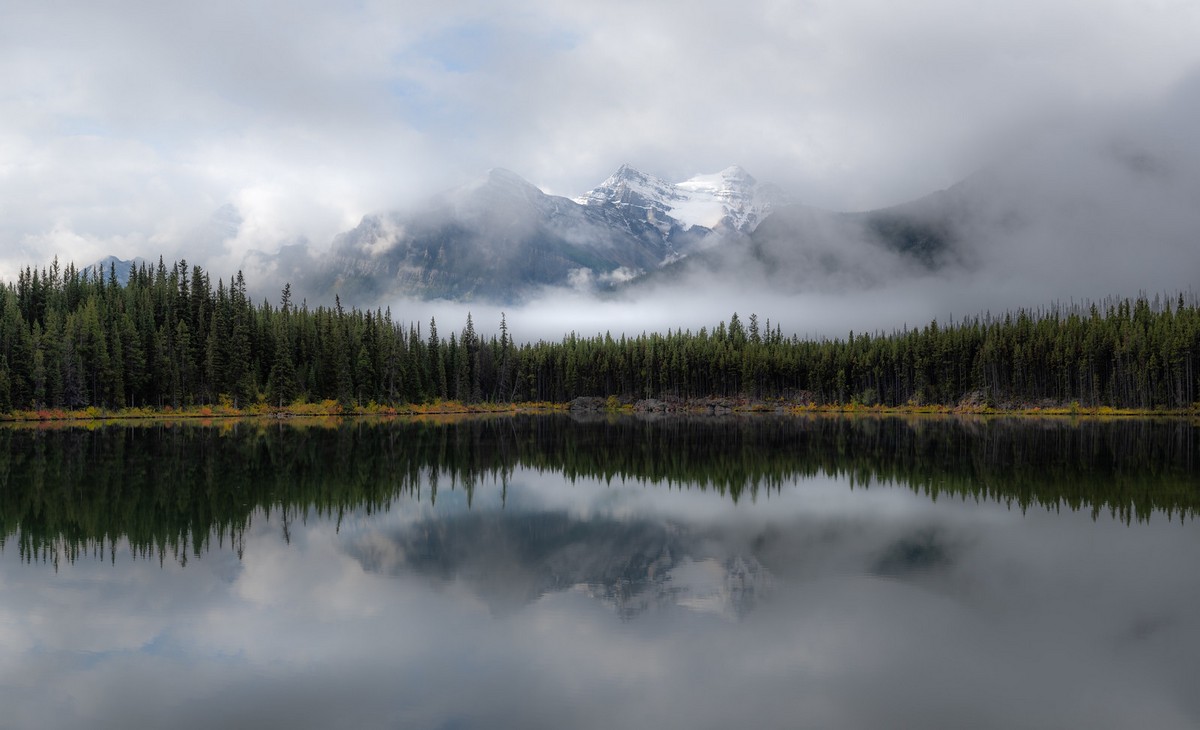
x: 75, y: 338
x: 1128, y: 354
x: 179, y: 490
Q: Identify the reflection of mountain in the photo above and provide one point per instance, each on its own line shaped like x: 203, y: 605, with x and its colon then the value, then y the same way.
x: 634, y: 567
x: 923, y: 551
x: 729, y: 588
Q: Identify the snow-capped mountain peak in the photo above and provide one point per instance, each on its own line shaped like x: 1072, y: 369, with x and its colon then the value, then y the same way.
x: 728, y: 183
x: 631, y: 187
x: 731, y: 198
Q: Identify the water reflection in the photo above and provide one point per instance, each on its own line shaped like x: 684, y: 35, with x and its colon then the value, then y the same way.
x: 510, y: 559
x: 332, y: 589
x: 177, y: 490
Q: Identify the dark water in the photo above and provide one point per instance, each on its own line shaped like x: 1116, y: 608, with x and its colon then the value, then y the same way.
x: 544, y: 572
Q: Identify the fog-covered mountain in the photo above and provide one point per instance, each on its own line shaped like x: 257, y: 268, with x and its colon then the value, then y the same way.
x: 500, y: 239
x: 118, y: 268
x: 729, y: 200
x: 799, y: 248
x: 497, y: 239
x: 1073, y: 211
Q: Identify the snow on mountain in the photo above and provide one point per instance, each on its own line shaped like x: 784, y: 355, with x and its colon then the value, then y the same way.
x: 730, y: 199
x: 731, y: 194
x: 500, y: 238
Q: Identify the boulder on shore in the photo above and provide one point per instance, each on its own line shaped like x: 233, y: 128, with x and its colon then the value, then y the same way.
x: 586, y: 404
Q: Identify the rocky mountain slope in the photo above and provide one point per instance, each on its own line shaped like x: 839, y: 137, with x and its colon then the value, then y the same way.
x: 501, y: 239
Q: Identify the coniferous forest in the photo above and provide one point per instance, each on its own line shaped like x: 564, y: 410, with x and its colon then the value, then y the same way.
x: 72, y: 338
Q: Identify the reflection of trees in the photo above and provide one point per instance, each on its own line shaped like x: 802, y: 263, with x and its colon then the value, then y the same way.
x: 175, y: 489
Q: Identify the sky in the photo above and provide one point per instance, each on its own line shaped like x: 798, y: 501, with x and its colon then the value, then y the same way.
x: 125, y: 126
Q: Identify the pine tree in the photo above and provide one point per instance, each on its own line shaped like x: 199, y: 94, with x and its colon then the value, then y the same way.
x: 281, y: 384
x: 437, y: 364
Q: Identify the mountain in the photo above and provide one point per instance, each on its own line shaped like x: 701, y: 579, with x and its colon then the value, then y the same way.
x: 924, y: 234
x: 119, y: 267
x: 498, y: 239
x: 1085, y: 205
x: 729, y: 200
x: 798, y: 247
x: 501, y: 239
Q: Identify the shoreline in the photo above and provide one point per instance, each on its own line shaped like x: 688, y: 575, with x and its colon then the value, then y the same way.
x: 580, y: 406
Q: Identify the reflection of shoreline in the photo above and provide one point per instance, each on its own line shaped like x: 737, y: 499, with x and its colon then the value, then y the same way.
x: 170, y: 489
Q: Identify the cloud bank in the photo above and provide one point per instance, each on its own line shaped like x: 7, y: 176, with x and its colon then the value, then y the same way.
x: 125, y: 126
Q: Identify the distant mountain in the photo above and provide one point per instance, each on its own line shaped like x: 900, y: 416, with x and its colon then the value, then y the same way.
x: 1085, y: 205
x: 799, y: 241
x: 120, y: 267
x: 728, y: 200
x: 798, y: 247
x: 502, y: 239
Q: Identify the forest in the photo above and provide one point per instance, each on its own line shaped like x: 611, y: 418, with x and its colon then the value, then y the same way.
x: 73, y: 338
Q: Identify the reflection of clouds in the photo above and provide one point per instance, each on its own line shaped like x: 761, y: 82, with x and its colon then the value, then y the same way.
x: 63, y: 617
x: 317, y: 579
x: 1038, y: 620
x: 595, y: 537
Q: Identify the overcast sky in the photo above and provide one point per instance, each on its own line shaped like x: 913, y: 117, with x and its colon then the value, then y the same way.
x: 125, y: 125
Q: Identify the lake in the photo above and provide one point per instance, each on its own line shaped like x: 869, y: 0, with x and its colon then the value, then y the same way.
x: 560, y: 572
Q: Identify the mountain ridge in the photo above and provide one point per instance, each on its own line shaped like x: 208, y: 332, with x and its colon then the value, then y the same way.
x: 501, y: 239
x: 730, y: 199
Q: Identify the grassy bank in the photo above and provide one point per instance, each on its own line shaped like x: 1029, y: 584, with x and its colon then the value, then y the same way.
x: 331, y: 408
x: 328, y: 408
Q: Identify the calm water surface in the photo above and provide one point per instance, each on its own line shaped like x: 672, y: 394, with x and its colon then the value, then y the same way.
x: 545, y: 572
